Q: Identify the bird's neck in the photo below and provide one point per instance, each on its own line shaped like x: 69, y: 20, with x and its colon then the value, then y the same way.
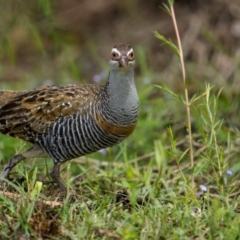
x: 122, y: 93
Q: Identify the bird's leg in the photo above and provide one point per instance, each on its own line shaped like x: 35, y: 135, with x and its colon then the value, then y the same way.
x: 11, y: 164
x: 56, y: 176
x: 34, y: 151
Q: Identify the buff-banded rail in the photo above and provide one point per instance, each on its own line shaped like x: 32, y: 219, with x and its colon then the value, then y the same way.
x: 68, y: 121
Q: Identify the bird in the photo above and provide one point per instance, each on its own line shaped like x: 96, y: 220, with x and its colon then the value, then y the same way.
x: 64, y: 122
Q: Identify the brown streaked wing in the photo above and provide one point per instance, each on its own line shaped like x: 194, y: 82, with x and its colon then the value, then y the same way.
x: 29, y: 114
x: 8, y: 95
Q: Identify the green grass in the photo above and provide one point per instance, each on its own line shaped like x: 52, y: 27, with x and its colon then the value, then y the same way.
x: 145, y: 188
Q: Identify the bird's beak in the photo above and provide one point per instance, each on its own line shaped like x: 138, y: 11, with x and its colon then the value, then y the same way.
x: 123, y: 62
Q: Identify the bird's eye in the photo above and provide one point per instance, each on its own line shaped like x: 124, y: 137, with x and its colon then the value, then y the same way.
x: 114, y: 55
x: 131, y: 56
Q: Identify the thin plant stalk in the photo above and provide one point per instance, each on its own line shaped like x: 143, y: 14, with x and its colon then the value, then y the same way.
x: 185, y: 91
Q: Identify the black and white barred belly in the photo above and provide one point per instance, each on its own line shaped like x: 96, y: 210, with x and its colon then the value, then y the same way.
x: 73, y: 137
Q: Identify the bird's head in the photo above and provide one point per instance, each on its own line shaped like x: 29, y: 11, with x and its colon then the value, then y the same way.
x: 122, y: 56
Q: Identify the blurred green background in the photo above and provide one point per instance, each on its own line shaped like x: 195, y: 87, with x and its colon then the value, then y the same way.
x: 44, y: 42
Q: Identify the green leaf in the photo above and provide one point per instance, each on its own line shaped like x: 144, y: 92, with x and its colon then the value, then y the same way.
x: 170, y: 3
x: 36, y: 190
x: 168, y: 42
x: 166, y: 9
x: 167, y: 90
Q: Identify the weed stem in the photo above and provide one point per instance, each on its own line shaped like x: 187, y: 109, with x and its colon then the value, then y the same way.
x: 185, y: 91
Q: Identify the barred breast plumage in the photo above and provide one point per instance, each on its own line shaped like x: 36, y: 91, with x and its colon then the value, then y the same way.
x: 68, y: 121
